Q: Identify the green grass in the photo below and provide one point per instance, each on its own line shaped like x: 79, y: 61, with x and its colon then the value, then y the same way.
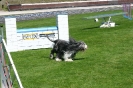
x: 107, y: 63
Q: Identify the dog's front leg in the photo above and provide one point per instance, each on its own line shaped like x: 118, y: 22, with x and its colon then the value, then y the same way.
x: 52, y: 54
x: 57, y: 57
x: 66, y: 56
x: 68, y: 59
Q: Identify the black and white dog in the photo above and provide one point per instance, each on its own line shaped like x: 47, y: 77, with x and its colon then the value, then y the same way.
x: 66, y: 50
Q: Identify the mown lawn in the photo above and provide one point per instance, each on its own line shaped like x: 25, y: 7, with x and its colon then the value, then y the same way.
x: 107, y: 63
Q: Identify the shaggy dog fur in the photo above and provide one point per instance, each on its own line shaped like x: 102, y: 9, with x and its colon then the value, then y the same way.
x: 66, y: 50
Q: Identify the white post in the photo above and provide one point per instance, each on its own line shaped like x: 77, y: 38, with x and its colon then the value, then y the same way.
x: 11, y: 33
x: 63, y: 28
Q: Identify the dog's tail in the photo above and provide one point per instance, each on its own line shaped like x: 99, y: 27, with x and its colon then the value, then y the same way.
x: 54, y: 41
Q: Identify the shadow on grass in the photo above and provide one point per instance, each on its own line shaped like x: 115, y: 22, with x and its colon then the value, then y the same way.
x: 91, y: 28
x: 63, y: 59
x: 78, y: 58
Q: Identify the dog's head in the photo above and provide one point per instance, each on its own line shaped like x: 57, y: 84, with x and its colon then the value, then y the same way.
x: 82, y: 46
x: 77, y: 46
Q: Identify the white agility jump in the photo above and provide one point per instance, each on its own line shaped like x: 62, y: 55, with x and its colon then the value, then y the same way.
x: 30, y: 38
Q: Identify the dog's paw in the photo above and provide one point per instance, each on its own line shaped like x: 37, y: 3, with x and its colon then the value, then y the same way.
x: 69, y: 60
x: 51, y: 56
x: 57, y: 59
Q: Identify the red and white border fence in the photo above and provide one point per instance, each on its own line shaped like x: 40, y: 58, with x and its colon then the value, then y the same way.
x: 5, y: 69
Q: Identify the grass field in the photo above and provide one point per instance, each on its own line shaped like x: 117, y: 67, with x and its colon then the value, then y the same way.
x: 107, y: 63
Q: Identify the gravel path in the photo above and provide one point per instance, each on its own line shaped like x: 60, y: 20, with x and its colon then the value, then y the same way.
x: 3, y: 13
